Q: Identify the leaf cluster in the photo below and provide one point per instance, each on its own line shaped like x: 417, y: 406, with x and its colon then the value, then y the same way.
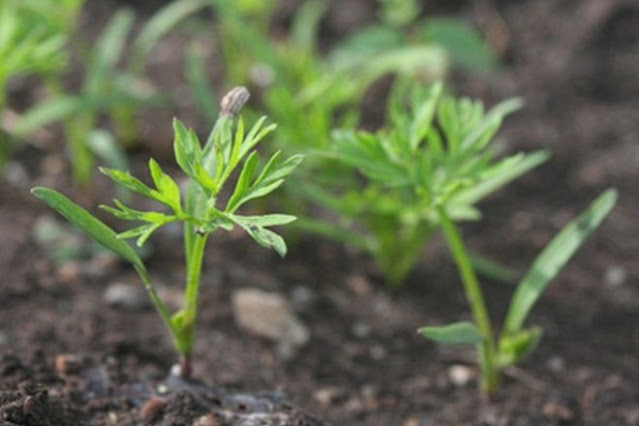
x: 209, y: 169
x: 437, y: 150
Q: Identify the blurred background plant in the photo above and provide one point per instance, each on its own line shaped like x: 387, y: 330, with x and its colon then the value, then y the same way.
x: 310, y: 89
x: 33, y: 38
x: 435, y: 148
x: 114, y: 87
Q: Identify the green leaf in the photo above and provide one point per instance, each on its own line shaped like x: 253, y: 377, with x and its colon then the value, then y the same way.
x: 456, y: 333
x: 486, y: 127
x: 243, y: 182
x: 554, y: 257
x: 304, y: 30
x: 160, y: 24
x: 106, y: 147
x: 271, y: 177
x: 188, y: 151
x: 166, y: 185
x: 201, y: 90
x: 263, y: 236
x: 270, y: 219
x: 131, y: 182
x: 499, y: 175
x: 462, y: 42
x: 49, y: 111
x: 255, y: 135
x: 95, y: 228
x: 107, y: 50
x: 423, y: 115
x: 514, y: 347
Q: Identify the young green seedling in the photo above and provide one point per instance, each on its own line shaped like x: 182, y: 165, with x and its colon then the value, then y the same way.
x: 438, y: 149
x: 209, y: 169
x: 515, y: 341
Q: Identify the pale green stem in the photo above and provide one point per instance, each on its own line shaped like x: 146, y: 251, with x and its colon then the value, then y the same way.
x: 190, y: 303
x: 490, y: 373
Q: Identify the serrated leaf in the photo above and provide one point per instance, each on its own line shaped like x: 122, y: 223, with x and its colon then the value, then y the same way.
x: 131, y: 182
x: 423, y: 116
x: 274, y: 219
x: 554, y: 257
x: 255, y: 135
x: 271, y: 177
x: 261, y: 235
x: 166, y: 185
x: 243, y: 182
x: 188, y: 151
x: 484, y: 130
x: 500, y: 174
x: 462, y: 332
x: 95, y: 228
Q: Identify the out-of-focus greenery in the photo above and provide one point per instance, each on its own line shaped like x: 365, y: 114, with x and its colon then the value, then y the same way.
x: 33, y: 36
x: 33, y: 39
x: 435, y: 149
x: 114, y: 86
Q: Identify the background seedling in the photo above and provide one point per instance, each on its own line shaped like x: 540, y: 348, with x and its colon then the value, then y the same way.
x: 438, y: 149
x: 33, y: 37
x: 515, y: 341
x: 108, y: 90
x: 209, y: 169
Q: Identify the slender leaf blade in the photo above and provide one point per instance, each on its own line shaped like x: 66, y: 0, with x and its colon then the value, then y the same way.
x: 94, y: 227
x: 462, y: 332
x: 554, y: 257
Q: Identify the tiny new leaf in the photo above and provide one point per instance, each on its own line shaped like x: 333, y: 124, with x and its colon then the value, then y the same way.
x: 462, y: 332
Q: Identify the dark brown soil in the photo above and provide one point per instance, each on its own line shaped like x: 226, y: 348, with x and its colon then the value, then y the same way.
x: 66, y: 358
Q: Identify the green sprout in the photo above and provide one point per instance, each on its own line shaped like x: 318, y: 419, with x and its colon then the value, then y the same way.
x: 33, y: 35
x: 209, y: 169
x: 107, y: 90
x: 437, y: 149
x: 515, y: 341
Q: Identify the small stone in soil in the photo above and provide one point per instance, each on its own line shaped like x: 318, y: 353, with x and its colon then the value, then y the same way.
x: 268, y: 315
x: 69, y: 272
x: 126, y: 296
x: 460, y: 375
x: 66, y: 364
x: 359, y: 285
x: 615, y: 276
x: 556, y: 364
x: 206, y: 420
x: 152, y: 409
x: 557, y: 411
x: 412, y: 421
x: 328, y: 395
x: 361, y: 330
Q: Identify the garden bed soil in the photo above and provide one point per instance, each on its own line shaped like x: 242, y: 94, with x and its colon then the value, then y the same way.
x: 66, y: 358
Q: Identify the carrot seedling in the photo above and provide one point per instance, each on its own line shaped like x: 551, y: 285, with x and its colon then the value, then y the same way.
x: 515, y: 341
x: 209, y: 169
x: 434, y: 149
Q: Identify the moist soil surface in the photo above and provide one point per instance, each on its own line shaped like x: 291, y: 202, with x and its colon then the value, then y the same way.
x: 67, y: 357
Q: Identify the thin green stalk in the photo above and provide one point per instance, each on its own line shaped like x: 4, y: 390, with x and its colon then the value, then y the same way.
x: 192, y: 290
x: 490, y: 374
x: 77, y: 131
